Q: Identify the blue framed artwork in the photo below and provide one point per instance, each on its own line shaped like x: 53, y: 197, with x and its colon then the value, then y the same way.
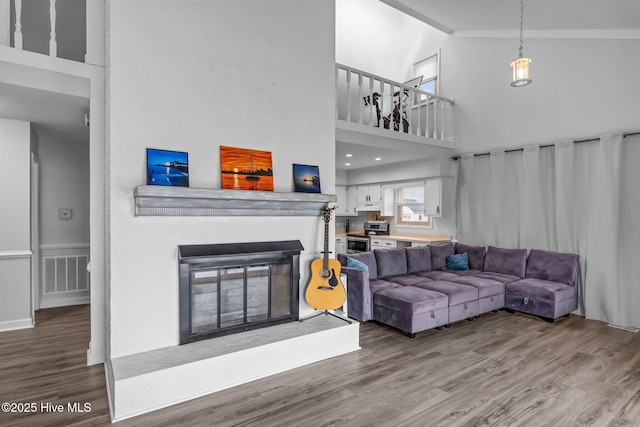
x: 168, y: 168
x: 306, y: 178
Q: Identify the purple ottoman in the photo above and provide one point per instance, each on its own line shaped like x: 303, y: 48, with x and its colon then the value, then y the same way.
x: 411, y: 309
x: 463, y: 299
x: 490, y: 292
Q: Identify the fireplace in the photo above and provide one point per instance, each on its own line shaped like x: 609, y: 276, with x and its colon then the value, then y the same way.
x: 236, y: 287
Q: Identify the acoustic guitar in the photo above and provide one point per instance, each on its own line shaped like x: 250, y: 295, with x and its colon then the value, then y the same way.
x: 325, y: 290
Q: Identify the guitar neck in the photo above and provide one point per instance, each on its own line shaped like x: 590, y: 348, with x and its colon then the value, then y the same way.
x: 325, y: 261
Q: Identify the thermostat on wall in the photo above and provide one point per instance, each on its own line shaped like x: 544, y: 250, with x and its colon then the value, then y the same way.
x: 64, y: 213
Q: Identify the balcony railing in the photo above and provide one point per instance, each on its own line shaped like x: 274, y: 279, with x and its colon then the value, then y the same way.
x: 366, y: 99
x: 57, y: 29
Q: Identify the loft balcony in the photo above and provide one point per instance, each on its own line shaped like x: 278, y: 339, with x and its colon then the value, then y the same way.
x: 379, y: 112
x: 65, y: 30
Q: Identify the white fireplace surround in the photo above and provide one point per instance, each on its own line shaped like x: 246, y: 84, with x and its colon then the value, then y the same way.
x: 183, y: 201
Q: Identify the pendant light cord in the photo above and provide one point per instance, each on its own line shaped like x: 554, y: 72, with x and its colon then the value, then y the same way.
x: 521, y: 24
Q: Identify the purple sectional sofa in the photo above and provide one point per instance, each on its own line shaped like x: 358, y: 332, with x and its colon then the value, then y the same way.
x: 411, y: 288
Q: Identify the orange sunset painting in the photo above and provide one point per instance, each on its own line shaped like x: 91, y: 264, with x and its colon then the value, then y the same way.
x: 244, y: 169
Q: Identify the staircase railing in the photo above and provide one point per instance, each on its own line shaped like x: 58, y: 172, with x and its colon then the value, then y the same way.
x: 369, y: 100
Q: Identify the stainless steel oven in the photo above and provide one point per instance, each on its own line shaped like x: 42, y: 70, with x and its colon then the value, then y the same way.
x: 357, y: 243
x: 362, y: 243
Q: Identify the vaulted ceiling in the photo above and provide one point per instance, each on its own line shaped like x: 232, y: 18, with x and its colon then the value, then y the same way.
x: 562, y: 17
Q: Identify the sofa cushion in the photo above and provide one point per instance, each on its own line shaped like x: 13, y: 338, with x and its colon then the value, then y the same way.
x: 407, y: 279
x: 498, y: 277
x: 457, y: 262
x: 439, y: 255
x: 377, y: 285
x: 367, y: 258
x: 354, y: 263
x: 541, y: 290
x: 552, y: 266
x: 418, y: 258
x: 506, y: 261
x: 463, y: 272
x: 391, y: 262
x: 475, y: 253
x: 436, y: 274
x: 485, y: 287
x: 457, y: 292
x: 410, y: 299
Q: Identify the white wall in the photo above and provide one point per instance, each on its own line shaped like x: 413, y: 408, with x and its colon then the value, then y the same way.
x: 64, y: 183
x: 238, y: 73
x: 377, y: 38
x: 581, y: 89
x: 15, y: 225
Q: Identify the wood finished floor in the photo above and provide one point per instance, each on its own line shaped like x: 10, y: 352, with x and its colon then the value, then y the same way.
x: 499, y: 370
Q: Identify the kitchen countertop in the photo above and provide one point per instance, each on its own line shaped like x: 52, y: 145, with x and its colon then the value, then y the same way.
x: 403, y: 237
x: 414, y: 237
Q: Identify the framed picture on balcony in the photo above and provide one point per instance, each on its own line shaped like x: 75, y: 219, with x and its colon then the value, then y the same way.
x: 168, y: 168
x: 245, y: 169
x: 306, y: 178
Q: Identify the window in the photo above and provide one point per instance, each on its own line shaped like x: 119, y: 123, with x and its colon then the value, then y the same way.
x: 429, y: 68
x: 410, y: 205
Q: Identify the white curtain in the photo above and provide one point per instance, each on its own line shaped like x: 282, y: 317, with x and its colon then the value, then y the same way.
x: 578, y: 198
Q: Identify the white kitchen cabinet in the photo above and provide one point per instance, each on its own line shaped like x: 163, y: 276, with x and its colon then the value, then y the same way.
x: 352, y: 199
x: 346, y: 207
x: 382, y: 243
x: 417, y: 244
x: 369, y: 197
x: 341, y: 245
x: 433, y: 197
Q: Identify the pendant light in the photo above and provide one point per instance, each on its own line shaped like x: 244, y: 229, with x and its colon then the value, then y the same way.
x: 520, y: 65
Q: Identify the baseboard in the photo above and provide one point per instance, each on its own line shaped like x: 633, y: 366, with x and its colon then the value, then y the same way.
x: 63, y: 301
x: 92, y: 356
x: 12, y: 325
x: 624, y: 328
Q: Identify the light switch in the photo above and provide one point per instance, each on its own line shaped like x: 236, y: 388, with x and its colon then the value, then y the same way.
x: 64, y: 213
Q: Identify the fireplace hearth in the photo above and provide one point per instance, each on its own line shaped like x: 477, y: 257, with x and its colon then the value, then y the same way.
x: 235, y: 287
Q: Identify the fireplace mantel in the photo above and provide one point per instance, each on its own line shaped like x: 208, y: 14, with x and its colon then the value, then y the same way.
x: 151, y: 200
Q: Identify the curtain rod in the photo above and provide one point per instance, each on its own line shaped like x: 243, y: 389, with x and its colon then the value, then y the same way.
x: 577, y: 141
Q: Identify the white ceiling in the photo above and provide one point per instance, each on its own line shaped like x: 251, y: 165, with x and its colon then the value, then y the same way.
x: 461, y: 16
x: 53, y: 115
x: 363, y: 156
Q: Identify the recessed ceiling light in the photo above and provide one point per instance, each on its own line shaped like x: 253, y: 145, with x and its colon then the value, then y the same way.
x: 348, y: 155
x: 347, y: 164
x: 377, y: 159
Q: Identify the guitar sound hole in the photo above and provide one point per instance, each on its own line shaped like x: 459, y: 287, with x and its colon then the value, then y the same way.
x: 325, y: 273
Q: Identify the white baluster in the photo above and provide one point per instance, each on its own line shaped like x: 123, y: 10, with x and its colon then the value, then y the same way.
x: 381, y: 103
x: 417, y: 96
x: 370, y: 100
x: 426, y: 114
x: 53, y: 44
x: 349, y: 96
x: 359, y: 97
x: 17, y: 36
x: 337, y: 76
x: 442, y: 120
x: 435, y: 118
x: 391, y: 105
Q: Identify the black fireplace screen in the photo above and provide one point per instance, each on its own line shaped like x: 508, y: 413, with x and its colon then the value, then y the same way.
x: 230, y: 288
